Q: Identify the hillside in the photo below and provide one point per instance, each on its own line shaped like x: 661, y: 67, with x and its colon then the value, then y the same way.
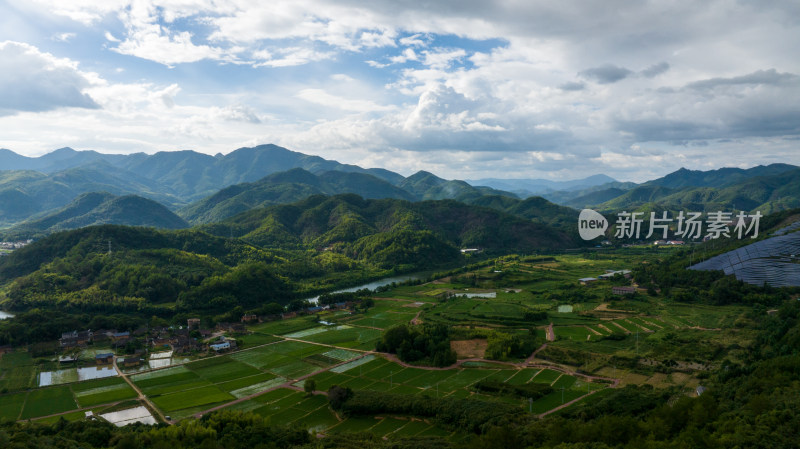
x: 363, y: 228
x: 98, y: 208
x: 768, y: 194
x: 718, y: 178
x: 427, y: 186
x: 287, y: 187
x: 24, y: 193
x: 188, y: 174
x: 176, y: 178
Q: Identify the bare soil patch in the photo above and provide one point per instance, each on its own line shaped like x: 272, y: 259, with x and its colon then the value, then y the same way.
x: 467, y: 349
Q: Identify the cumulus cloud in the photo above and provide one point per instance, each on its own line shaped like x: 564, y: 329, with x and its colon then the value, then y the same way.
x: 31, y: 80
x: 606, y: 74
x: 323, y: 98
x: 572, y: 86
x: 460, y: 79
x: 768, y: 77
x: 655, y: 70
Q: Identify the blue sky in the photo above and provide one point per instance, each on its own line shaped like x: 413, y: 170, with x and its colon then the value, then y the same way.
x: 467, y: 89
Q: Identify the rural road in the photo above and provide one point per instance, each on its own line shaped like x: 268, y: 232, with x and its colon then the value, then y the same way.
x: 142, y: 396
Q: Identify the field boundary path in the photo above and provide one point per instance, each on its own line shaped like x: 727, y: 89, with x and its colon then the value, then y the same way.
x: 288, y: 384
x: 142, y: 396
x: 566, y: 404
x: 82, y: 409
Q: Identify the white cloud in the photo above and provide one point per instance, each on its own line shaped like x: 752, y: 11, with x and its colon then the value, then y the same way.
x: 320, y: 97
x: 31, y: 80
x: 441, y: 58
x: 581, y: 80
x: 64, y: 37
x: 416, y: 40
x: 110, y: 37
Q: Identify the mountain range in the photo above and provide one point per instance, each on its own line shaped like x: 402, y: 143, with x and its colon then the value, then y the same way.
x: 62, y: 189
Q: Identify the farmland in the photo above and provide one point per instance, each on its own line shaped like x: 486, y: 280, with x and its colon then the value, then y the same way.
x: 598, y: 341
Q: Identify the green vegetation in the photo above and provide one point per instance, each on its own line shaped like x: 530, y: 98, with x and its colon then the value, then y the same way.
x: 99, y: 208
x: 466, y: 415
x: 531, y: 390
x: 528, y: 356
x: 429, y: 345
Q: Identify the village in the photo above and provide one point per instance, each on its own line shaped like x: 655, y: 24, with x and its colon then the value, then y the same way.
x: 138, y: 348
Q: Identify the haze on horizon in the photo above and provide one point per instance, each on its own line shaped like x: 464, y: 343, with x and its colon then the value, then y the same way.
x: 465, y: 90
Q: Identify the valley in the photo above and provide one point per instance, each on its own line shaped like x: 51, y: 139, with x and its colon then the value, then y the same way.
x: 588, y: 343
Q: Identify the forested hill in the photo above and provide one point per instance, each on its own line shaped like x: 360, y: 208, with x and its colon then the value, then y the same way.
x: 355, y: 226
x: 767, y: 193
x: 98, y: 208
x: 287, y: 187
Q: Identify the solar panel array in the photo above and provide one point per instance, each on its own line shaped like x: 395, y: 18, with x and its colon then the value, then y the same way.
x: 788, y: 229
x: 774, y: 261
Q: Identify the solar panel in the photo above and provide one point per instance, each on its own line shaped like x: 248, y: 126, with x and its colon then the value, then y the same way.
x: 774, y: 261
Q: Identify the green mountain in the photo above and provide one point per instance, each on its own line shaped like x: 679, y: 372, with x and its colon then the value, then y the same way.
x: 25, y: 193
x: 388, y: 231
x: 768, y: 194
x: 287, y: 187
x: 427, y: 186
x: 718, y: 178
x: 622, y: 194
x: 49, y: 182
x: 194, y: 175
x: 583, y: 198
x: 99, y: 208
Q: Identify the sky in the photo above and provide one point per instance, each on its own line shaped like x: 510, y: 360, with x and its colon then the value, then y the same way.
x: 465, y: 89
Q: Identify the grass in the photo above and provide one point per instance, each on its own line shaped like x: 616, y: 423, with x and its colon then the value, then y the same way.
x: 546, y: 376
x: 48, y: 401
x: 244, y: 382
x: 102, y: 391
x: 11, y: 405
x: 17, y: 371
x: 522, y: 376
x: 74, y: 416
x: 222, y: 369
x: 192, y: 398
x: 578, y: 333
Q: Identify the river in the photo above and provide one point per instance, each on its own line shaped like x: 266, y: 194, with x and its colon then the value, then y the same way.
x: 379, y: 283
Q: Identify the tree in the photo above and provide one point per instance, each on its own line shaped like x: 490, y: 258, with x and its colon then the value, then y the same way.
x: 338, y: 395
x: 309, y: 386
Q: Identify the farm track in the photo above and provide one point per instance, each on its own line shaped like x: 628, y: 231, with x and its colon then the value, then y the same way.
x: 651, y: 323
x: 565, y: 405
x: 639, y: 326
x: 621, y: 327
x: 82, y: 409
x: 142, y: 396
x: 604, y: 327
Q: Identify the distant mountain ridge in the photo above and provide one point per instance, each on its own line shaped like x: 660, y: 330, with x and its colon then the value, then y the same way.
x: 41, y: 184
x: 203, y: 188
x: 96, y: 208
x: 530, y: 187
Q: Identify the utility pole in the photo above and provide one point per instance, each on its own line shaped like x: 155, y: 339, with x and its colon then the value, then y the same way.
x: 109, y: 247
x: 530, y: 405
